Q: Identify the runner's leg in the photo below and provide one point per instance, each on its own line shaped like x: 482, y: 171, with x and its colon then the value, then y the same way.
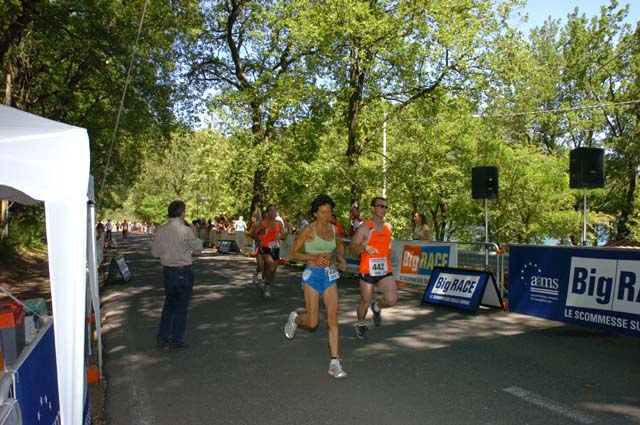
x: 366, y: 295
x: 310, y: 318
x: 330, y: 298
x: 389, y: 292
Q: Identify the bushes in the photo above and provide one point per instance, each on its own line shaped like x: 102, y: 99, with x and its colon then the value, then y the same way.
x: 27, y: 230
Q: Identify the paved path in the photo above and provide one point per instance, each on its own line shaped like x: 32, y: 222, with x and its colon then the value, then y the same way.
x: 425, y: 365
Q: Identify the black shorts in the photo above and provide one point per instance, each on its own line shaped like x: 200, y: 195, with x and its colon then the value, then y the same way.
x: 373, y: 279
x: 273, y: 252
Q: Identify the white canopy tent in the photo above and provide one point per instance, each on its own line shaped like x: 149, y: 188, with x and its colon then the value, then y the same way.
x: 44, y: 160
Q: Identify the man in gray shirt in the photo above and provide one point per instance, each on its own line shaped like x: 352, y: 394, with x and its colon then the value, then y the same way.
x: 173, y: 244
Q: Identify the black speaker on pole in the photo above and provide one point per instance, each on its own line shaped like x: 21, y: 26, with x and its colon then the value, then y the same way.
x: 586, y: 168
x: 484, y: 182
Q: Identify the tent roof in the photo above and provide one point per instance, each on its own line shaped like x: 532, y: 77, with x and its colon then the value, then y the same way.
x: 41, y: 159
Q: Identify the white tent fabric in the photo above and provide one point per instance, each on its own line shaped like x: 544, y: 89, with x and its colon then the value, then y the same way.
x: 44, y: 160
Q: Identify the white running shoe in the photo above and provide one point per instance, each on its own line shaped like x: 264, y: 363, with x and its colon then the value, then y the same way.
x: 291, y: 326
x: 335, y: 369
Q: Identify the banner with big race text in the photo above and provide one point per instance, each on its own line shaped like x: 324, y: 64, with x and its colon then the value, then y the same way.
x: 413, y: 261
x: 593, y: 287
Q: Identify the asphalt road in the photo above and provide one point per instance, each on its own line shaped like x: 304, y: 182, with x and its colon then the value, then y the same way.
x: 424, y: 365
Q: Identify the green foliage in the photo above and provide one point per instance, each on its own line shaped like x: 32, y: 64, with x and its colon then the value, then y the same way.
x: 299, y: 96
x: 26, y: 229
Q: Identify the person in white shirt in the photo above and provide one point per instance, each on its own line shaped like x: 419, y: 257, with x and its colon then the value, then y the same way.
x: 173, y: 244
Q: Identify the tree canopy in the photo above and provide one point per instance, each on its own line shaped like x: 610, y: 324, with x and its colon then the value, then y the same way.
x: 236, y: 104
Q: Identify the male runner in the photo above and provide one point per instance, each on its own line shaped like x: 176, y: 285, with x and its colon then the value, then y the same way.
x: 372, y: 241
x: 270, y: 232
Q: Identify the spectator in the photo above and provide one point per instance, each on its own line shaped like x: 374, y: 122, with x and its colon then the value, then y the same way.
x: 335, y: 222
x: 355, y: 221
x: 302, y: 222
x: 421, y: 230
x: 173, y: 244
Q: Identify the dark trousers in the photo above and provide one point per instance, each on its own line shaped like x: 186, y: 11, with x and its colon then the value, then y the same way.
x: 178, y: 286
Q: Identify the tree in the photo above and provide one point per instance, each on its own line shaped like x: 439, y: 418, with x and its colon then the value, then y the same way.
x: 387, y: 55
x: 251, y: 58
x: 68, y: 60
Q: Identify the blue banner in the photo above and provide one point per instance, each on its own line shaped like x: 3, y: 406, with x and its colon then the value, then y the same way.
x: 593, y: 287
x: 37, y: 382
x: 36, y: 379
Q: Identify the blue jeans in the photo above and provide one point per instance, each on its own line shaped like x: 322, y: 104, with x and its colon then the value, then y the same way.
x: 178, y: 285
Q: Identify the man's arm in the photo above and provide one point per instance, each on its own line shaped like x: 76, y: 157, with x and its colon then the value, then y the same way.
x: 357, y: 245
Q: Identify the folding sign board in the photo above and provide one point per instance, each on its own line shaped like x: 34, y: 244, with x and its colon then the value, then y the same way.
x: 462, y: 288
x: 227, y: 246
x: 119, y: 265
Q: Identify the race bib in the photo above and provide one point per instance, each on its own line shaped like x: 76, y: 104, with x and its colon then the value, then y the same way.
x: 274, y: 245
x: 378, y: 266
x: 333, y: 273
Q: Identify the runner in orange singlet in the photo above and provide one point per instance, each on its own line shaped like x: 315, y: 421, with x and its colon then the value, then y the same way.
x: 372, y: 241
x: 270, y: 233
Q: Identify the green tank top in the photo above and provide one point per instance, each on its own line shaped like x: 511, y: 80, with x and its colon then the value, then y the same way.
x: 319, y: 245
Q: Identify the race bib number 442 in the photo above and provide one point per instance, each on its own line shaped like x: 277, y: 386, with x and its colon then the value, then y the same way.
x: 378, y: 266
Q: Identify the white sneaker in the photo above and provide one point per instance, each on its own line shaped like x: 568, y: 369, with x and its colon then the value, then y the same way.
x: 335, y: 369
x: 291, y: 326
x: 267, y: 291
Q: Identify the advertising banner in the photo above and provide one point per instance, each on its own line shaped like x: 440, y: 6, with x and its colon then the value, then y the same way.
x: 413, y: 261
x: 462, y: 288
x: 37, y: 381
x: 593, y: 287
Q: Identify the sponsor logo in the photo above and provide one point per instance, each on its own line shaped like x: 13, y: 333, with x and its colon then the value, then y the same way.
x: 417, y: 259
x: 455, y: 285
x: 542, y: 287
x: 604, y: 284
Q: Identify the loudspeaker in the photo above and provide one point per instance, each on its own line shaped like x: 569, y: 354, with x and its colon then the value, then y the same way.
x: 586, y: 168
x: 484, y: 182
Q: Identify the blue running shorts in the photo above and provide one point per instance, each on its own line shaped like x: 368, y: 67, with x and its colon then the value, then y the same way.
x: 317, y: 278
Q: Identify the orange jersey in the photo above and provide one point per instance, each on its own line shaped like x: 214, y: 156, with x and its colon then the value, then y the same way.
x: 378, y: 264
x: 268, y: 235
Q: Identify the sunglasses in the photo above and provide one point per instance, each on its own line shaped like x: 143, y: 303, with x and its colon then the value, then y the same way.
x: 382, y: 206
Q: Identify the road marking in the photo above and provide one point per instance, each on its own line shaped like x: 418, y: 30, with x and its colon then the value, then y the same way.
x: 551, y: 405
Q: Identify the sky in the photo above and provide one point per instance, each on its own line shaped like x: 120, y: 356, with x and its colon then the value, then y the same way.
x: 540, y: 10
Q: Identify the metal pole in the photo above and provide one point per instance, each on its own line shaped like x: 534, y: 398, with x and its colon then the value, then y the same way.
x: 486, y: 234
x: 584, y: 222
x: 384, y: 157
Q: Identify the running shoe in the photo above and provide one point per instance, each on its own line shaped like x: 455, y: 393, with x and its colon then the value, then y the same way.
x: 377, y: 317
x: 361, y: 330
x: 254, y: 278
x: 291, y: 326
x: 267, y: 291
x: 335, y: 369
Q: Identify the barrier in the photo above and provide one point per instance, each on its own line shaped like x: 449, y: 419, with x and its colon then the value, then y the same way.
x: 592, y: 287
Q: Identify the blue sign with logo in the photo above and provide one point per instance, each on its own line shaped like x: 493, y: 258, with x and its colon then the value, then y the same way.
x: 462, y: 288
x: 36, y: 379
x: 593, y: 287
x: 37, y: 382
